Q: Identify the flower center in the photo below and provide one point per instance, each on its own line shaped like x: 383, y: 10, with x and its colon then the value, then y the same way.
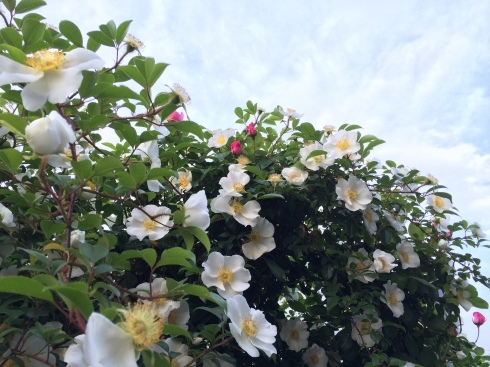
x: 314, y: 359
x: 172, y: 317
x: 144, y: 324
x: 368, y: 217
x: 243, y: 159
x: 225, y: 275
x: 248, y: 325
x: 293, y: 176
x: 383, y: 263
x: 237, y: 207
x: 318, y: 158
x: 254, y: 236
x: 361, y: 266
x: 342, y: 144
x: 221, y: 140
x: 149, y: 223
x: 45, y: 60
x: 438, y: 202
x: 294, y: 335
x: 392, y: 299
x: 460, y: 296
x: 352, y: 194
x: 184, y: 181
x: 404, y: 255
x: 238, y: 187
x: 365, y: 327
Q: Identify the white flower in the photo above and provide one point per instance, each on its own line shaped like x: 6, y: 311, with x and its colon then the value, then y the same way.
x: 443, y: 244
x: 314, y: 163
x: 289, y: 112
x: 227, y: 273
x: 179, y: 316
x: 441, y: 223
x: 6, y: 216
x: 407, y: 255
x: 295, y: 333
x: 250, y: 328
x: 103, y: 344
x: 158, y: 288
x: 51, y: 75
x: 64, y: 159
x: 220, y: 137
x: 460, y: 355
x: 50, y: 134
x: 157, y: 125
x: 462, y: 295
x: 363, y: 326
x: 77, y: 237
x: 370, y: 217
x: 183, y: 182
x: 477, y: 232
x: 261, y: 240
x: 196, y: 211
x: 393, y: 297
x: 149, y: 150
x: 395, y: 220
x: 383, y: 262
x: 342, y: 143
x: 181, y: 93
x: 234, y: 183
x: 294, y: 175
x: 315, y: 356
x: 155, y: 224
x: 361, y: 266
x: 354, y: 192
x: 438, y: 203
x: 246, y: 214
x: 177, y: 349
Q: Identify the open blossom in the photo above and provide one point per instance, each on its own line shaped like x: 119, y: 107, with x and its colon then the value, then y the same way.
x: 362, y: 265
x: 103, y: 344
x: 183, y: 182
x: 177, y: 354
x: 50, y: 134
x: 295, y: 333
x: 458, y: 289
x: 294, y: 176
x: 220, y: 137
x: 289, y: 112
x: 155, y: 224
x: 383, y: 262
x: 227, y: 273
x: 407, y: 255
x: 196, y: 211
x: 477, y: 232
x: 149, y: 151
x: 250, y: 328
x: 181, y: 93
x: 395, y: 219
x: 175, y: 116
x: 442, y: 223
x: 393, y: 297
x: 315, y: 356
x: 246, y: 214
x: 234, y: 183
x: 316, y: 162
x: 51, y: 75
x: 261, y: 240
x: 370, y: 217
x: 354, y: 192
x: 438, y: 203
x: 363, y: 326
x: 342, y: 143
x: 6, y: 216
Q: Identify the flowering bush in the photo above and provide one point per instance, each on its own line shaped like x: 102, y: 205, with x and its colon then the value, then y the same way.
x: 131, y: 236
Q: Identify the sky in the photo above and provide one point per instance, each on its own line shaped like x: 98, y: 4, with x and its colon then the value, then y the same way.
x: 415, y: 74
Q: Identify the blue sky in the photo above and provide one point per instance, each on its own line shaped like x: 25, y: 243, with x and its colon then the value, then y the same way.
x: 416, y: 74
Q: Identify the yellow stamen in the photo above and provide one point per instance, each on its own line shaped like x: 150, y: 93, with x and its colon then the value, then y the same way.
x: 238, y: 187
x: 314, y: 359
x: 149, y: 223
x: 392, y: 299
x: 221, y: 140
x: 248, y: 325
x: 254, y: 236
x: 368, y: 217
x: 294, y: 335
x: 365, y: 327
x: 352, y: 194
x: 45, y: 60
x: 404, y: 255
x: 318, y: 158
x: 243, y: 159
x: 361, y: 266
x: 438, y: 202
x: 144, y: 324
x: 225, y: 275
x: 172, y: 317
x: 237, y: 207
x: 342, y: 144
x: 183, y: 181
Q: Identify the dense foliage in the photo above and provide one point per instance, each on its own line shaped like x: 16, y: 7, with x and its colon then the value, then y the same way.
x: 129, y: 233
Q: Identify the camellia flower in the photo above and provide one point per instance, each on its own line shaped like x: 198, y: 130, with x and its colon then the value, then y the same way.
x: 295, y: 333
x: 234, y: 183
x: 51, y: 75
x: 461, y: 294
x: 178, y: 351
x: 383, y: 262
x: 220, y: 138
x: 261, y: 240
x: 407, y: 255
x: 226, y: 273
x: 477, y: 232
x: 361, y: 266
x: 478, y: 319
x: 250, y: 328
x: 363, y: 326
x: 294, y: 176
x: 103, y: 344
x: 246, y: 214
x: 441, y: 223
x: 184, y: 181
x: 354, y: 192
x: 393, y: 297
x: 196, y: 211
x: 132, y: 43
x: 314, y: 163
x: 315, y: 356
x: 460, y: 355
x: 438, y: 203
x: 274, y: 179
x: 342, y: 143
x: 6, y: 216
x: 289, y: 112
x: 395, y: 220
x: 370, y: 217
x: 149, y: 150
x: 175, y: 116
x: 50, y: 134
x: 236, y: 147
x: 155, y: 224
x: 251, y: 130
x: 181, y: 93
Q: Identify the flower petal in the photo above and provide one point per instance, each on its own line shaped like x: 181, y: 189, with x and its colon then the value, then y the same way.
x: 14, y: 72
x: 82, y: 59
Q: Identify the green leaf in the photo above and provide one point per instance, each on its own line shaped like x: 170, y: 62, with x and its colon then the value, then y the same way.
x: 132, y: 72
x: 190, y: 127
x: 90, y: 221
x: 14, y: 123
x: 71, y: 32
x: 75, y: 297
x: 11, y: 37
x: 201, y: 236
x: 49, y: 228
x: 138, y: 172
x: 127, y: 131
x: 271, y: 196
x: 149, y: 255
x: 12, y: 159
x: 92, y: 45
x: 119, y: 92
x: 93, y: 253
x: 174, y: 330
x: 159, y: 173
x: 27, y: 5
x: 156, y: 73
x: 9, y: 4
x: 478, y: 302
x: 122, y: 30
x: 415, y: 232
x: 83, y: 169
x: 308, y: 131
x: 25, y: 286
x: 196, y: 290
x: 32, y: 31
x: 176, y: 256
x: 108, y: 166
x: 101, y: 38
x: 316, y: 153
x: 276, y: 270
x: 17, y: 54
x: 188, y: 237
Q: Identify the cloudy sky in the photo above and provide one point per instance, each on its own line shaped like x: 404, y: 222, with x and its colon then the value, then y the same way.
x: 416, y: 74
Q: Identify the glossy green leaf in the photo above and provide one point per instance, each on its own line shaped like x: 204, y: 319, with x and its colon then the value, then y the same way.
x: 71, y: 31
x: 122, y: 30
x: 32, y: 31
x: 12, y: 158
x: 25, y: 286
x: 27, y: 5
x: 108, y: 166
x: 14, y: 123
x: 11, y: 37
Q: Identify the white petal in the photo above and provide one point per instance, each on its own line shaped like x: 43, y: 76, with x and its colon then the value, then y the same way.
x: 82, y: 59
x: 74, y: 355
x: 14, y: 72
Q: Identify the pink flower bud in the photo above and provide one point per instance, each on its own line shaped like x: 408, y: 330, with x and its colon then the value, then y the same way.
x: 236, y: 147
x: 453, y: 331
x: 175, y: 116
x: 251, y: 129
x: 478, y: 319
